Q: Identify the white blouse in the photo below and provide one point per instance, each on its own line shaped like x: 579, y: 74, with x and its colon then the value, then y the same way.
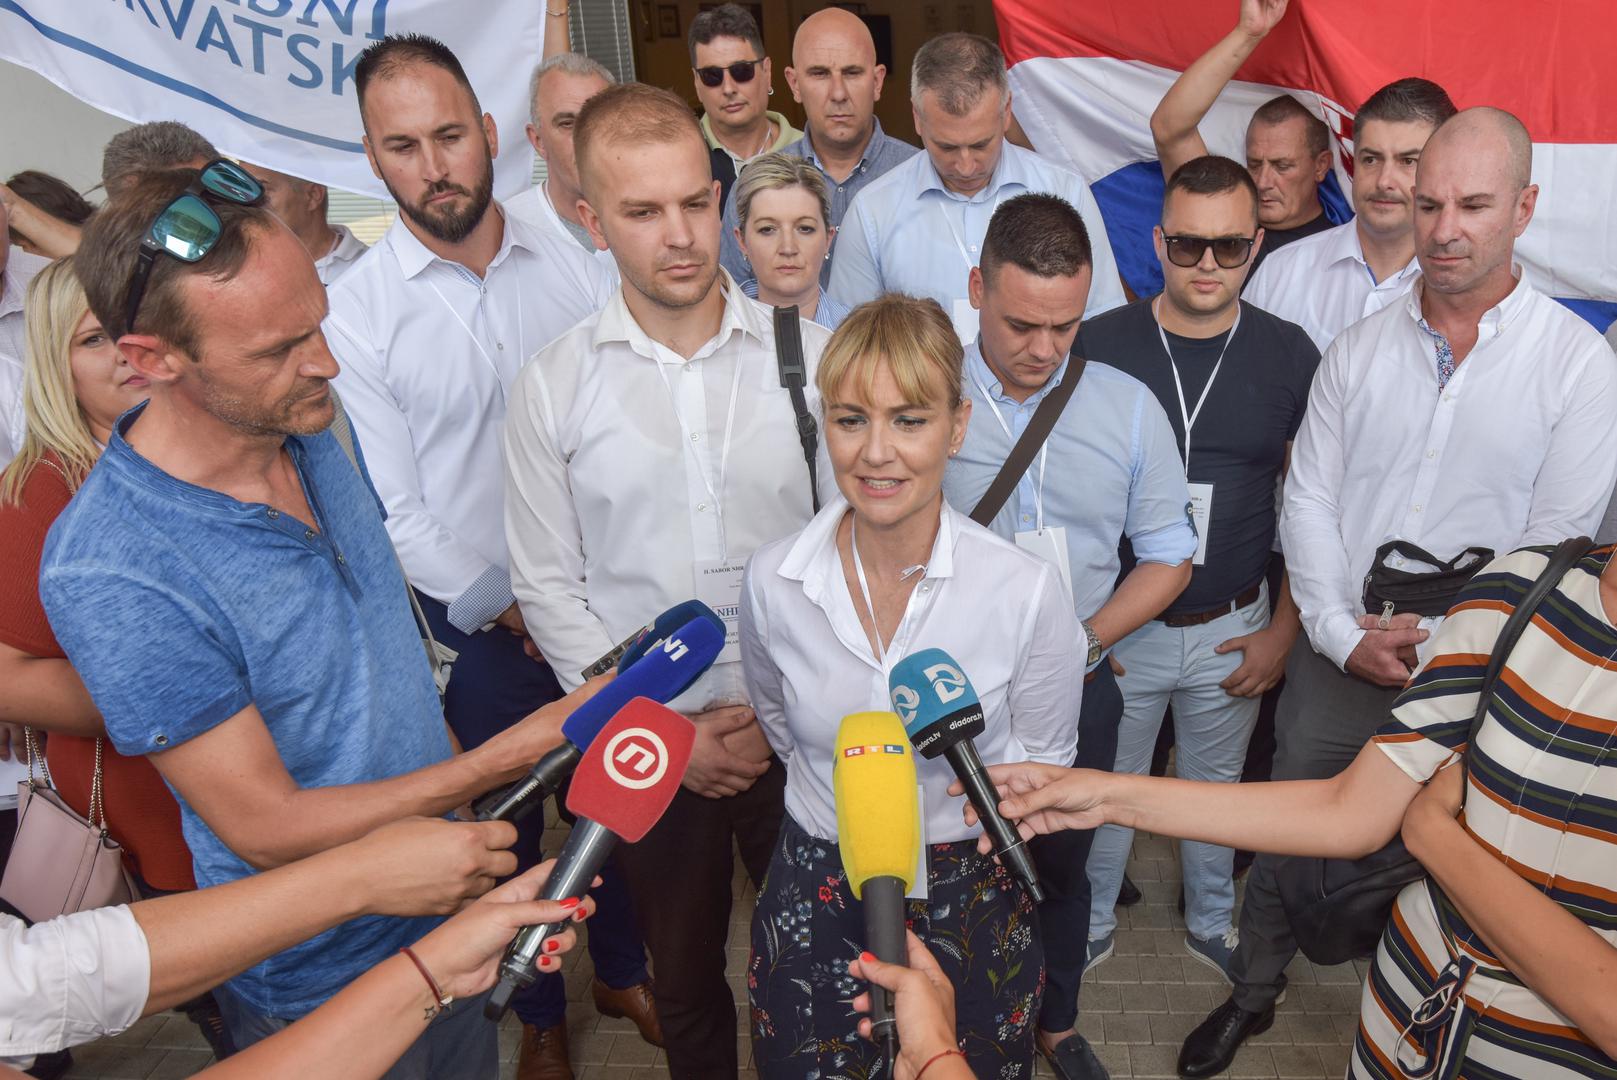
x: 998, y: 610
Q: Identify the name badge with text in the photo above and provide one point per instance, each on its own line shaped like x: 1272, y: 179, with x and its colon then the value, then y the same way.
x: 718, y: 585
x: 1051, y: 544
x: 1201, y: 517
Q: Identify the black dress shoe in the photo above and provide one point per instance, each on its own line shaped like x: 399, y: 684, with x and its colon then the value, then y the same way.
x: 1209, y: 1049
x: 1129, y: 893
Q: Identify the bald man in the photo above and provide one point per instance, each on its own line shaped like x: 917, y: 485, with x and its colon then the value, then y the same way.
x: 1474, y: 413
x: 835, y: 77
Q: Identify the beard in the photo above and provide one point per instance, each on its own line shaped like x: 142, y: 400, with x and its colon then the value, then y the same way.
x: 451, y: 226
x: 307, y: 411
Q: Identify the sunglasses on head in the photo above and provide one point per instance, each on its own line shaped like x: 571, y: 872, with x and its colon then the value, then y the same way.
x: 1228, y: 251
x: 188, y: 228
x: 741, y: 71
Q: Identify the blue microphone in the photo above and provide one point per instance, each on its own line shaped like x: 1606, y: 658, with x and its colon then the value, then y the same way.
x: 942, y: 714
x: 634, y: 646
x: 661, y: 674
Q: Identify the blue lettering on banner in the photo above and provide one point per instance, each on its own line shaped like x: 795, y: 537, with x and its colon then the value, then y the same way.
x: 311, y: 45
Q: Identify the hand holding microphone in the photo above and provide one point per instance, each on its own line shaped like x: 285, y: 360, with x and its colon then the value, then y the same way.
x: 942, y: 715
x: 923, y: 1007
x: 879, y: 836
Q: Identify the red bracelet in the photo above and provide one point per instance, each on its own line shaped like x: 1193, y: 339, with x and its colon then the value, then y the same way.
x: 438, y: 995
x: 934, y: 1059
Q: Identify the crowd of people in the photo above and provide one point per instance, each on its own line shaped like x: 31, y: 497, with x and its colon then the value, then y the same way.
x: 254, y: 466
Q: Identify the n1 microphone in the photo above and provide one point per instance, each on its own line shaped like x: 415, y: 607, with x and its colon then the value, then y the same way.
x: 942, y: 714
x: 879, y: 834
x: 633, y: 647
x: 623, y: 784
x: 662, y: 674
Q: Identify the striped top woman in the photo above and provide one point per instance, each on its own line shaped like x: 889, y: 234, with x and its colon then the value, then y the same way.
x: 1507, y: 952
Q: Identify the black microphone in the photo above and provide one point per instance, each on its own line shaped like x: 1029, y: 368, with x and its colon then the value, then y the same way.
x: 942, y: 714
x: 633, y: 647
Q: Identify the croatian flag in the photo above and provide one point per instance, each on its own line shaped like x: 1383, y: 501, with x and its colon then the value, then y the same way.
x: 1086, y: 78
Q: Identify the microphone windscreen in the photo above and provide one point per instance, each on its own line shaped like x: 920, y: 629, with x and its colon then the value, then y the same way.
x: 665, y: 624
x: 630, y: 773
x: 935, y: 700
x: 878, y: 799
x: 662, y: 674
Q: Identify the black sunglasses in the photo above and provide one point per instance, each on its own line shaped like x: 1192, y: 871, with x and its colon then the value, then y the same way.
x: 187, y: 228
x: 741, y: 71
x: 1228, y: 251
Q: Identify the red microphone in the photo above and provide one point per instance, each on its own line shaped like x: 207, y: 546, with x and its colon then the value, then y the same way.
x: 624, y: 783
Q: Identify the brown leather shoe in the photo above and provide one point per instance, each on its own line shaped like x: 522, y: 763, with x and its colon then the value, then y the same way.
x: 635, y: 1003
x: 544, y: 1054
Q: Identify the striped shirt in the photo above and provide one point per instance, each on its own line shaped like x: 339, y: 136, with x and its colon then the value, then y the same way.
x: 1541, y: 789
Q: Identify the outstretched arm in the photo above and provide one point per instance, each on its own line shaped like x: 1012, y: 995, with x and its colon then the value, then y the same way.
x: 1173, y: 125
x: 558, y: 36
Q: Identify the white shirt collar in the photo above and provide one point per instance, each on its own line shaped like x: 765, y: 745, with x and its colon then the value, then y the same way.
x: 1344, y: 242
x: 414, y: 256
x: 814, y: 560
x: 1006, y: 171
x: 1497, y: 319
x: 741, y: 315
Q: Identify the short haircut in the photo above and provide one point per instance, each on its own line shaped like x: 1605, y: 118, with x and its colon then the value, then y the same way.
x: 913, y: 337
x: 771, y: 172
x: 1406, y: 101
x: 958, y: 68
x: 110, y: 249
x: 1284, y: 107
x: 636, y: 113
x: 573, y: 64
x: 726, y: 20
x: 56, y: 197
x: 1211, y: 175
x: 396, y: 52
x: 1040, y: 234
x: 144, y: 148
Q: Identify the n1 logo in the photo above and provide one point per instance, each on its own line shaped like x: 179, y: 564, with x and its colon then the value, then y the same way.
x: 675, y: 648
x: 636, y: 758
x: 906, y: 703
x: 948, y: 681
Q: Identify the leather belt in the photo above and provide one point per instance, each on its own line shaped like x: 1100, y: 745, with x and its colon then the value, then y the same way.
x: 1198, y: 618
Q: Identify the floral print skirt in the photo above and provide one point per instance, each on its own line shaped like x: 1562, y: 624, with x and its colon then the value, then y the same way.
x: 977, y: 921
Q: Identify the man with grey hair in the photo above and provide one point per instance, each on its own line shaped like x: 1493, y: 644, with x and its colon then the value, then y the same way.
x: 558, y: 89
x: 301, y: 205
x: 161, y: 144
x: 920, y: 228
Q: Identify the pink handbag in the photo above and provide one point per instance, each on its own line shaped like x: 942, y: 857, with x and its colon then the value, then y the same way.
x: 61, y: 863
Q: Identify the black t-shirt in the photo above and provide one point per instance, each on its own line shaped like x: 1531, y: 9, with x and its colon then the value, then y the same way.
x: 1239, y: 440
x: 1275, y: 239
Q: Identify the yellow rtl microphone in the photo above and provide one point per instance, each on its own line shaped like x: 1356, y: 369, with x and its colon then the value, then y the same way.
x: 879, y: 834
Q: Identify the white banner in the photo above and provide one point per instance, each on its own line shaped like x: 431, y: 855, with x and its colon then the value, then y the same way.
x: 272, y: 81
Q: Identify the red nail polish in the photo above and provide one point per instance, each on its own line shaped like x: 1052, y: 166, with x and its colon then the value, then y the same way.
x: 570, y: 902
x: 552, y: 945
x: 867, y: 958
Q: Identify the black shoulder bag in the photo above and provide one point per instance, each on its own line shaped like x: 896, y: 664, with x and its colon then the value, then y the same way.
x: 1338, y: 908
x: 794, y: 377
x: 1027, y: 447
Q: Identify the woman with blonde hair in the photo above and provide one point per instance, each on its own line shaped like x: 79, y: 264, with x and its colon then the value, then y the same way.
x: 885, y: 570
x: 783, y: 212
x: 75, y: 386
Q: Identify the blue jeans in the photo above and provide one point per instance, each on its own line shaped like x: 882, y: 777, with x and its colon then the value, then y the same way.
x: 1165, y: 665
x: 459, y: 1043
x: 494, y: 685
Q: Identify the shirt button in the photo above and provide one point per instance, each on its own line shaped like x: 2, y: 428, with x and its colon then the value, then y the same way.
x: 1417, y: 508
x: 272, y: 514
x: 695, y: 436
x: 161, y: 740
x: 500, y: 345
x: 701, y: 507
x: 308, y: 534
x: 1431, y: 453
x: 341, y: 559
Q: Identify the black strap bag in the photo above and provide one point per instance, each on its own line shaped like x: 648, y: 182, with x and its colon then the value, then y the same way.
x: 1338, y: 908
x: 1027, y: 447
x: 1390, y: 590
x: 794, y: 377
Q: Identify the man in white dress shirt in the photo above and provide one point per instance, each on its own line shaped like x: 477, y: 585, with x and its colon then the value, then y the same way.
x: 1474, y: 412
x: 919, y: 229
x: 649, y: 452
x: 1332, y: 279
x: 302, y: 205
x: 431, y: 327
x: 17, y: 269
x: 558, y: 89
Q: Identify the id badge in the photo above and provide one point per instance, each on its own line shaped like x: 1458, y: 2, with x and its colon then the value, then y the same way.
x: 918, y: 891
x: 718, y: 585
x: 966, y: 320
x: 1201, y: 517
x: 1051, y: 544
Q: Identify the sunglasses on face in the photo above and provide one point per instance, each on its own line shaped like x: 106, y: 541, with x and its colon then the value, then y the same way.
x: 188, y: 228
x: 1228, y: 251
x: 741, y: 71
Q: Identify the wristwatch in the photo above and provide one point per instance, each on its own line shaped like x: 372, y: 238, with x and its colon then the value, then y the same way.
x: 1094, y: 644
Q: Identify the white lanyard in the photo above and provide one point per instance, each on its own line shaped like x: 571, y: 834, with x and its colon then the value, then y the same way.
x: 1044, y: 455
x: 724, y: 452
x: 522, y: 353
x: 959, y: 242
x: 1179, y: 388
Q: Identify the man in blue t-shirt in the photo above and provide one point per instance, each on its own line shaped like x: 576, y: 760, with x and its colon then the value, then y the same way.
x: 225, y: 588
x: 1234, y: 382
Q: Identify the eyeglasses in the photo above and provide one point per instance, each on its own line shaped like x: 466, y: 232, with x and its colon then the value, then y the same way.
x: 1228, y: 251
x: 188, y: 228
x: 741, y: 71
